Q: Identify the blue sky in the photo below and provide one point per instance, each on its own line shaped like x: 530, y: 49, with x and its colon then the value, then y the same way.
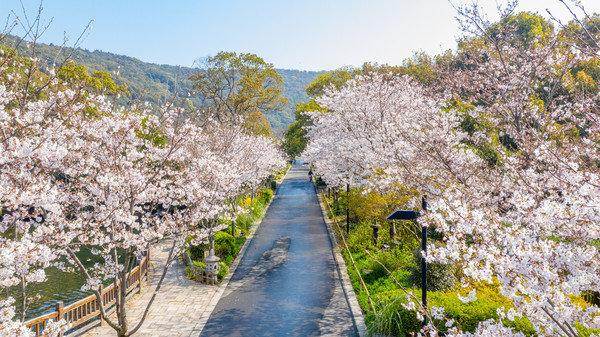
x: 308, y: 34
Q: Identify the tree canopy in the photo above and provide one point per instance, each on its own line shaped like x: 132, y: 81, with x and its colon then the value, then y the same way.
x: 233, y: 86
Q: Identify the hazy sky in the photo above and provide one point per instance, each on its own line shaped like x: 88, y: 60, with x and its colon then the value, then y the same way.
x: 307, y: 34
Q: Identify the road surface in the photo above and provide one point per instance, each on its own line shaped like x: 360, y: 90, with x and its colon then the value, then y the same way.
x: 287, y: 283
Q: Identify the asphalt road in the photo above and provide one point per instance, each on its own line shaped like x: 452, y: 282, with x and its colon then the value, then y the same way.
x: 286, y: 283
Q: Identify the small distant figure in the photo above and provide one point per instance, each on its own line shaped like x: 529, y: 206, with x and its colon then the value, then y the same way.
x: 310, y: 174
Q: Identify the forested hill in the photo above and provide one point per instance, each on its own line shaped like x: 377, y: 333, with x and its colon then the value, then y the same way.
x: 158, y: 82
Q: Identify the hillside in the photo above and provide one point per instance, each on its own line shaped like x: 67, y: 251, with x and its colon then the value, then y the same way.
x: 157, y: 82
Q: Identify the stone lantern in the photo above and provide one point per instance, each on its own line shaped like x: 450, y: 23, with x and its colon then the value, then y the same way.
x: 375, y: 227
x: 212, y: 263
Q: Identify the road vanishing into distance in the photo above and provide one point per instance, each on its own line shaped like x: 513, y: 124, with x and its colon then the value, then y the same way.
x: 287, y: 283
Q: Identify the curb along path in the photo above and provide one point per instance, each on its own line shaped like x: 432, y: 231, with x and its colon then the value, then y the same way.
x: 357, y: 314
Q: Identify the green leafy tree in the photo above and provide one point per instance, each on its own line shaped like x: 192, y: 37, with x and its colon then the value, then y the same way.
x: 234, y: 87
x: 524, y: 27
x: 585, y: 34
x: 336, y: 78
x: 294, y: 139
x: 257, y: 124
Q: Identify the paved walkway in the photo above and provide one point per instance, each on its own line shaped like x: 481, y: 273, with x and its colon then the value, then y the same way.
x: 180, y: 309
x: 287, y: 283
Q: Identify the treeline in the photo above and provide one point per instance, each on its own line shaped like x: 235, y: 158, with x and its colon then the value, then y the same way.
x: 158, y: 83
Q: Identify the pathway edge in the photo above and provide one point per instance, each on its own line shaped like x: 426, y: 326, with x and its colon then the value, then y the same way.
x: 357, y: 314
x: 217, y: 296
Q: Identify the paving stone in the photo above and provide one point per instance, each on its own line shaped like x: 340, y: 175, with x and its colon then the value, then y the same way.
x: 177, y: 307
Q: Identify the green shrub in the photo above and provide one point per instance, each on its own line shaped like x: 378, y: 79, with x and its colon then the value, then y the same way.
x: 468, y: 315
x: 196, y: 252
x: 586, y: 332
x: 263, y: 196
x: 361, y: 238
x: 224, y: 244
x: 384, y: 269
x: 223, y: 270
x: 199, y: 263
x: 391, y: 318
x: 336, y: 206
x: 592, y: 297
x: 244, y: 222
x: 188, y: 273
x: 268, y: 194
x: 256, y: 211
x: 396, y: 258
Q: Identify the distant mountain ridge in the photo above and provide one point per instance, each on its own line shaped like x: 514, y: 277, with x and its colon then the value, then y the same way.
x: 157, y: 83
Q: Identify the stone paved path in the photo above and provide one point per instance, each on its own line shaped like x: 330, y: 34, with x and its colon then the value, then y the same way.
x: 180, y: 309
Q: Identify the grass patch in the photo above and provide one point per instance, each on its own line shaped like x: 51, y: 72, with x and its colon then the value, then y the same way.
x: 388, y: 289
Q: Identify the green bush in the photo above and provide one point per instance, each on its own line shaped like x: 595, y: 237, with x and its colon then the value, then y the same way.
x: 387, y: 266
x: 256, y: 211
x: 396, y: 258
x: 336, y: 207
x: 394, y: 320
x: 586, y: 332
x: 468, y: 315
x: 264, y: 196
x: 239, y: 241
x: 223, y: 270
x: 244, y: 222
x: 188, y: 273
x: 361, y: 238
x: 196, y: 252
x: 227, y: 247
x: 199, y: 263
x: 224, y: 244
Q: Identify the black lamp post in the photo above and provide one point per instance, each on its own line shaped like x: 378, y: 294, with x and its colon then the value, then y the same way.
x: 413, y: 215
x: 347, y: 208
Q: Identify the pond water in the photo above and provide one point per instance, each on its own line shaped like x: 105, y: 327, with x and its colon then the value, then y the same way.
x: 59, y: 286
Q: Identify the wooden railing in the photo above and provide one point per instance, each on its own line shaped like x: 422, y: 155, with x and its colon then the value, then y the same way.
x: 86, y: 309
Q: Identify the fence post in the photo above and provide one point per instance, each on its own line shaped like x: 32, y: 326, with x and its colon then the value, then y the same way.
x: 140, y: 273
x: 98, y: 304
x: 147, y: 263
x: 60, y: 308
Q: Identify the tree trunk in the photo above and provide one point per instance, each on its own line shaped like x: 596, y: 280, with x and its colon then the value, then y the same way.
x: 123, y: 299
